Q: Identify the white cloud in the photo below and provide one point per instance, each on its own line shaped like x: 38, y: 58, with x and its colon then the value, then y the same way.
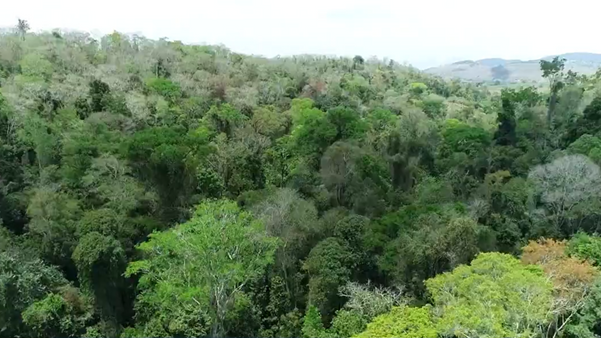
x: 424, y: 33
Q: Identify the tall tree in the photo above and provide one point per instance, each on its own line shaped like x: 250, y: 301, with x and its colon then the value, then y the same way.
x: 200, y: 268
x: 495, y: 296
x: 553, y: 71
x: 22, y: 27
x: 563, y: 186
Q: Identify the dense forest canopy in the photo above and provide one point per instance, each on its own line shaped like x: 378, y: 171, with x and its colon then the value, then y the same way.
x: 157, y: 189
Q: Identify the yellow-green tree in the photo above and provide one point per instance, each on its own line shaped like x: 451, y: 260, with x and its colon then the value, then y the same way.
x: 494, y: 296
x: 193, y: 274
x: 402, y: 322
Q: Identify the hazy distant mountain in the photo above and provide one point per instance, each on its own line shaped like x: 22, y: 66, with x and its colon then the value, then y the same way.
x: 497, y: 69
x: 583, y: 57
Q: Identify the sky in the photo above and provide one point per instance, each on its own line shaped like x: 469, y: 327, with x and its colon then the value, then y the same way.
x: 424, y: 33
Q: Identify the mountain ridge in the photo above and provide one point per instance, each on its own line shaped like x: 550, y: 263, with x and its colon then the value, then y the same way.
x: 513, y: 70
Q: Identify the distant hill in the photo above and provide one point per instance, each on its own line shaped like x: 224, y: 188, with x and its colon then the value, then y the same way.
x: 512, y: 71
x: 583, y: 57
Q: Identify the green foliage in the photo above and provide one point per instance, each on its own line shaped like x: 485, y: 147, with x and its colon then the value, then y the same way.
x: 167, y: 157
x: 402, y: 322
x: 587, y: 145
x: 56, y: 316
x: 347, y: 122
x: 100, y: 261
x: 36, y: 66
x: 433, y: 106
x: 417, y: 88
x: 586, y: 247
x: 587, y: 321
x: 206, y: 260
x: 225, y: 118
x: 459, y: 137
x: 587, y: 123
x: 52, y: 228
x: 312, y: 324
x: 428, y: 240
x: 313, y: 132
x: 505, y: 135
x: 164, y: 87
x: 98, y: 93
x: 347, y: 324
x: 329, y: 267
x: 494, y: 296
x: 23, y: 282
x: 355, y: 180
x: 267, y: 121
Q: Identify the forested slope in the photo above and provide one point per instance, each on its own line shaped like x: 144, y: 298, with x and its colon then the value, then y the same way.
x: 156, y: 189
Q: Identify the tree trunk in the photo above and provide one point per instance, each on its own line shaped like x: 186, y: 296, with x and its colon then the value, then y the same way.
x: 552, y: 104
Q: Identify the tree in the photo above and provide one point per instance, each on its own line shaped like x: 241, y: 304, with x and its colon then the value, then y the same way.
x: 52, y: 229
x: 402, y: 322
x: 505, y: 135
x: 167, y: 158
x: 565, y: 184
x: 23, y: 282
x: 585, y: 247
x: 430, y: 242
x: 572, y: 280
x: 347, y: 122
x: 588, y: 123
x: 410, y: 147
x: 293, y: 220
x: 369, y: 302
x: 494, y: 296
x: 358, y: 59
x: 164, y: 87
x: 99, y: 95
x: 201, y: 265
x: 100, y: 262
x: 267, y: 121
x: 58, y: 315
x: 587, y: 145
x: 280, y: 317
x: 313, y: 324
x: 36, y: 66
x: 238, y: 161
x: 225, y: 118
x: 586, y: 322
x: 464, y: 154
x: 553, y: 71
x: 22, y: 28
x: 312, y: 131
x: 339, y: 171
x: 434, y: 106
x: 347, y: 324
x: 329, y: 267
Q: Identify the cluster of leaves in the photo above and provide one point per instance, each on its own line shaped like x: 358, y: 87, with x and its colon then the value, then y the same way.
x: 153, y: 188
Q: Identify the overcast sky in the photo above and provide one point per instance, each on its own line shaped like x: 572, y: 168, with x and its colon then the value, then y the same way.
x: 422, y: 32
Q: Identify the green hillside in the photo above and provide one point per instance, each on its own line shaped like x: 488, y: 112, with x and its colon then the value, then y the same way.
x: 158, y: 189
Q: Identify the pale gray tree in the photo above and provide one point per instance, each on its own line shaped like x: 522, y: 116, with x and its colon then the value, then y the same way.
x: 293, y: 220
x: 368, y: 301
x: 339, y: 169
x: 565, y: 184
